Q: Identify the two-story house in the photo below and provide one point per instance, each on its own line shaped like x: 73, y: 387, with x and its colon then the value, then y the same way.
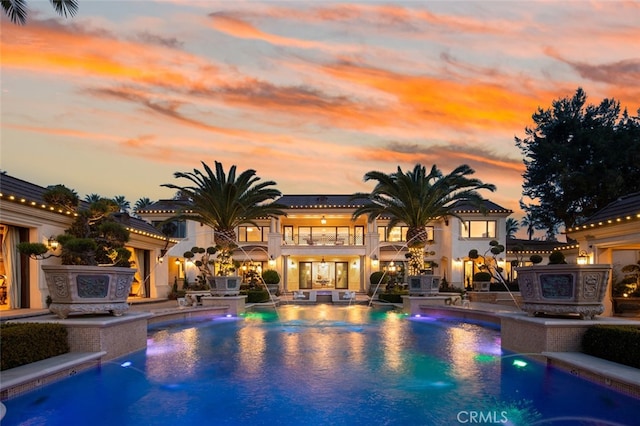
x: 317, y: 245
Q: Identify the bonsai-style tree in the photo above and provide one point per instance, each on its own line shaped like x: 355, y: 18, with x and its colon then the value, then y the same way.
x: 224, y: 201
x: 489, y: 263
x: 96, y: 236
x: 203, y: 263
x: 417, y: 198
x: 630, y: 283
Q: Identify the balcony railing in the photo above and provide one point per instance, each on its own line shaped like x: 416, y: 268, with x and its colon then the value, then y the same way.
x: 325, y: 240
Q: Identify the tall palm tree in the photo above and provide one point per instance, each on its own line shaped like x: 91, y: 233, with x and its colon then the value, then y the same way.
x: 122, y: 202
x: 141, y: 204
x: 225, y: 201
x: 416, y: 198
x: 512, y: 227
x: 17, y: 12
x: 92, y: 198
x: 530, y: 223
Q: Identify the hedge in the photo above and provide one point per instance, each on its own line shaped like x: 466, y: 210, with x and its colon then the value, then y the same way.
x: 618, y: 343
x: 24, y: 343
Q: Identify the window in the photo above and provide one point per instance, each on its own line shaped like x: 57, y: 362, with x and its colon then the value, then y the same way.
x: 478, y: 229
x: 358, y: 235
x: 252, y: 233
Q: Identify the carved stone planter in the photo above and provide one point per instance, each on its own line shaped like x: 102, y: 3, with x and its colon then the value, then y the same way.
x: 88, y: 289
x: 564, y: 289
x: 224, y: 286
x: 423, y: 285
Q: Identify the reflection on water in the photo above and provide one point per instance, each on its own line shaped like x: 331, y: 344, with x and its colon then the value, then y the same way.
x: 320, y: 365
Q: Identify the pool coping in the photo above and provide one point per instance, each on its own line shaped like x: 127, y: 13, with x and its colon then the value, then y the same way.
x: 25, y: 378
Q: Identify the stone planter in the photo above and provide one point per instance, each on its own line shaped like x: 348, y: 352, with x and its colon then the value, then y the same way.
x: 627, y: 306
x: 564, y: 289
x: 420, y: 285
x: 481, y: 285
x: 273, y: 289
x: 88, y: 289
x: 224, y: 285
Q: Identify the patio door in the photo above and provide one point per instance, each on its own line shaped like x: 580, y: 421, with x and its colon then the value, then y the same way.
x: 305, y: 275
x: 342, y: 275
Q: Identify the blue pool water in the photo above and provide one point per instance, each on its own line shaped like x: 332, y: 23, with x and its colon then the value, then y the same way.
x: 322, y: 365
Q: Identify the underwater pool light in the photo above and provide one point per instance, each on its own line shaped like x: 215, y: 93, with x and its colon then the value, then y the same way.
x: 418, y: 315
x: 126, y: 364
x: 519, y: 363
x: 229, y: 315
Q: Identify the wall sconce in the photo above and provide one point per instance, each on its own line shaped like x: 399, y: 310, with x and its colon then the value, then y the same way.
x: 292, y: 264
x: 322, y: 262
x: 52, y: 243
x: 374, y: 261
x: 177, y: 262
x: 323, y: 221
x: 272, y: 261
x: 160, y: 259
x: 583, y: 258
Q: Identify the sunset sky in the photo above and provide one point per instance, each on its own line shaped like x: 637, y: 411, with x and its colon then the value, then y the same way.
x: 311, y: 94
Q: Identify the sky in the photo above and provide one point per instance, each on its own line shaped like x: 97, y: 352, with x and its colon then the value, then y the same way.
x: 310, y: 94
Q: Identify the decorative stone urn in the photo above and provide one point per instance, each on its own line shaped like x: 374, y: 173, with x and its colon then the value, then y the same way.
x: 423, y: 285
x: 564, y: 289
x: 88, y: 289
x: 224, y: 285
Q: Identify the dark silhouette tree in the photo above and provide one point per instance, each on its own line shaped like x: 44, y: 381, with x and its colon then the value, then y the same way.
x: 512, y: 227
x: 578, y: 159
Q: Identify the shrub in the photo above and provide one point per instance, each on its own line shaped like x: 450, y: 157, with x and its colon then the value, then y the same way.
x: 482, y: 276
x: 377, y: 276
x: 557, y: 258
x: 390, y: 297
x: 25, y: 343
x: 619, y: 344
x: 271, y: 276
x: 535, y: 259
x: 257, y: 295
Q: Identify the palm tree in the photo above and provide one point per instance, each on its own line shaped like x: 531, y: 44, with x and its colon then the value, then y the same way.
x: 142, y: 204
x: 416, y: 198
x: 17, y: 12
x: 122, y: 203
x: 225, y: 201
x: 530, y: 222
x: 512, y: 227
x: 92, y: 198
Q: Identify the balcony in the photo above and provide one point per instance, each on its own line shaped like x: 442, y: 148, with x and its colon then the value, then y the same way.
x: 324, y: 240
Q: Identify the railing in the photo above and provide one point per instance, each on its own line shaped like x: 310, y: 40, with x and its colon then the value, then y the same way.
x: 325, y: 240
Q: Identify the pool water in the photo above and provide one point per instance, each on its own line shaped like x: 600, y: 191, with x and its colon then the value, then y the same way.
x: 322, y: 365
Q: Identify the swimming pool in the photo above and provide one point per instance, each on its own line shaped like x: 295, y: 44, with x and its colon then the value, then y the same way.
x: 322, y: 365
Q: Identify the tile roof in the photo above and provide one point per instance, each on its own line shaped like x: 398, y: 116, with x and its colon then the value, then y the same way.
x: 20, y: 191
x: 622, y: 210
x: 320, y: 201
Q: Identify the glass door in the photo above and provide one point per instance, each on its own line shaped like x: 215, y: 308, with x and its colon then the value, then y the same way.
x: 305, y: 276
x: 342, y: 275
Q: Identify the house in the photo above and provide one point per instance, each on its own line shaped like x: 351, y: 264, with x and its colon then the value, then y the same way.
x: 317, y: 245
x: 26, y: 217
x: 612, y: 235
